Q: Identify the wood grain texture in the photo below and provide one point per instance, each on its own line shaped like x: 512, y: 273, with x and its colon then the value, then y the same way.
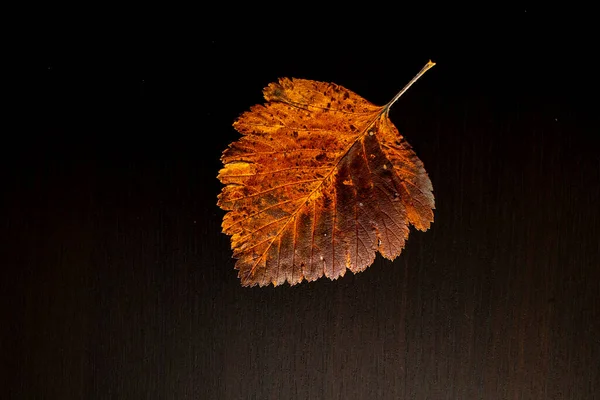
x: 117, y: 282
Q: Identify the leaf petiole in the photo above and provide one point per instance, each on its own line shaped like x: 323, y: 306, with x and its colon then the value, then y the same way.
x: 409, y: 84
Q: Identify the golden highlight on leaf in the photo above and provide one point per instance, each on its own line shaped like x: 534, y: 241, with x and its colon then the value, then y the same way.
x: 318, y: 183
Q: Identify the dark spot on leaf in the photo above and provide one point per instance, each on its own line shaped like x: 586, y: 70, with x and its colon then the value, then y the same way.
x: 278, y: 92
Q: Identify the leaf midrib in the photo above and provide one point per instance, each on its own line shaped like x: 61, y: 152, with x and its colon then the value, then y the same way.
x: 334, y: 168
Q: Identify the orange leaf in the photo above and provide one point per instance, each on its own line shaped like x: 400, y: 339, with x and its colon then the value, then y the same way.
x: 319, y: 182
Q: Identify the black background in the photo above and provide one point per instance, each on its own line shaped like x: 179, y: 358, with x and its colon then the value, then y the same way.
x: 119, y: 284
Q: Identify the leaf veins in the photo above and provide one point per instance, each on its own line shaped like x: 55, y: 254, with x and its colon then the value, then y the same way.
x: 318, y: 183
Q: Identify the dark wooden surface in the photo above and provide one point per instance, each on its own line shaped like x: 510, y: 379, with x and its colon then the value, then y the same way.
x: 118, y: 283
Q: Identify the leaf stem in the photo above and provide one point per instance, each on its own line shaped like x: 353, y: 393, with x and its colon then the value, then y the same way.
x: 409, y: 84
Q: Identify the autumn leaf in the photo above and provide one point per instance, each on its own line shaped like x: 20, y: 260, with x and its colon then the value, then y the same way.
x: 319, y: 182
